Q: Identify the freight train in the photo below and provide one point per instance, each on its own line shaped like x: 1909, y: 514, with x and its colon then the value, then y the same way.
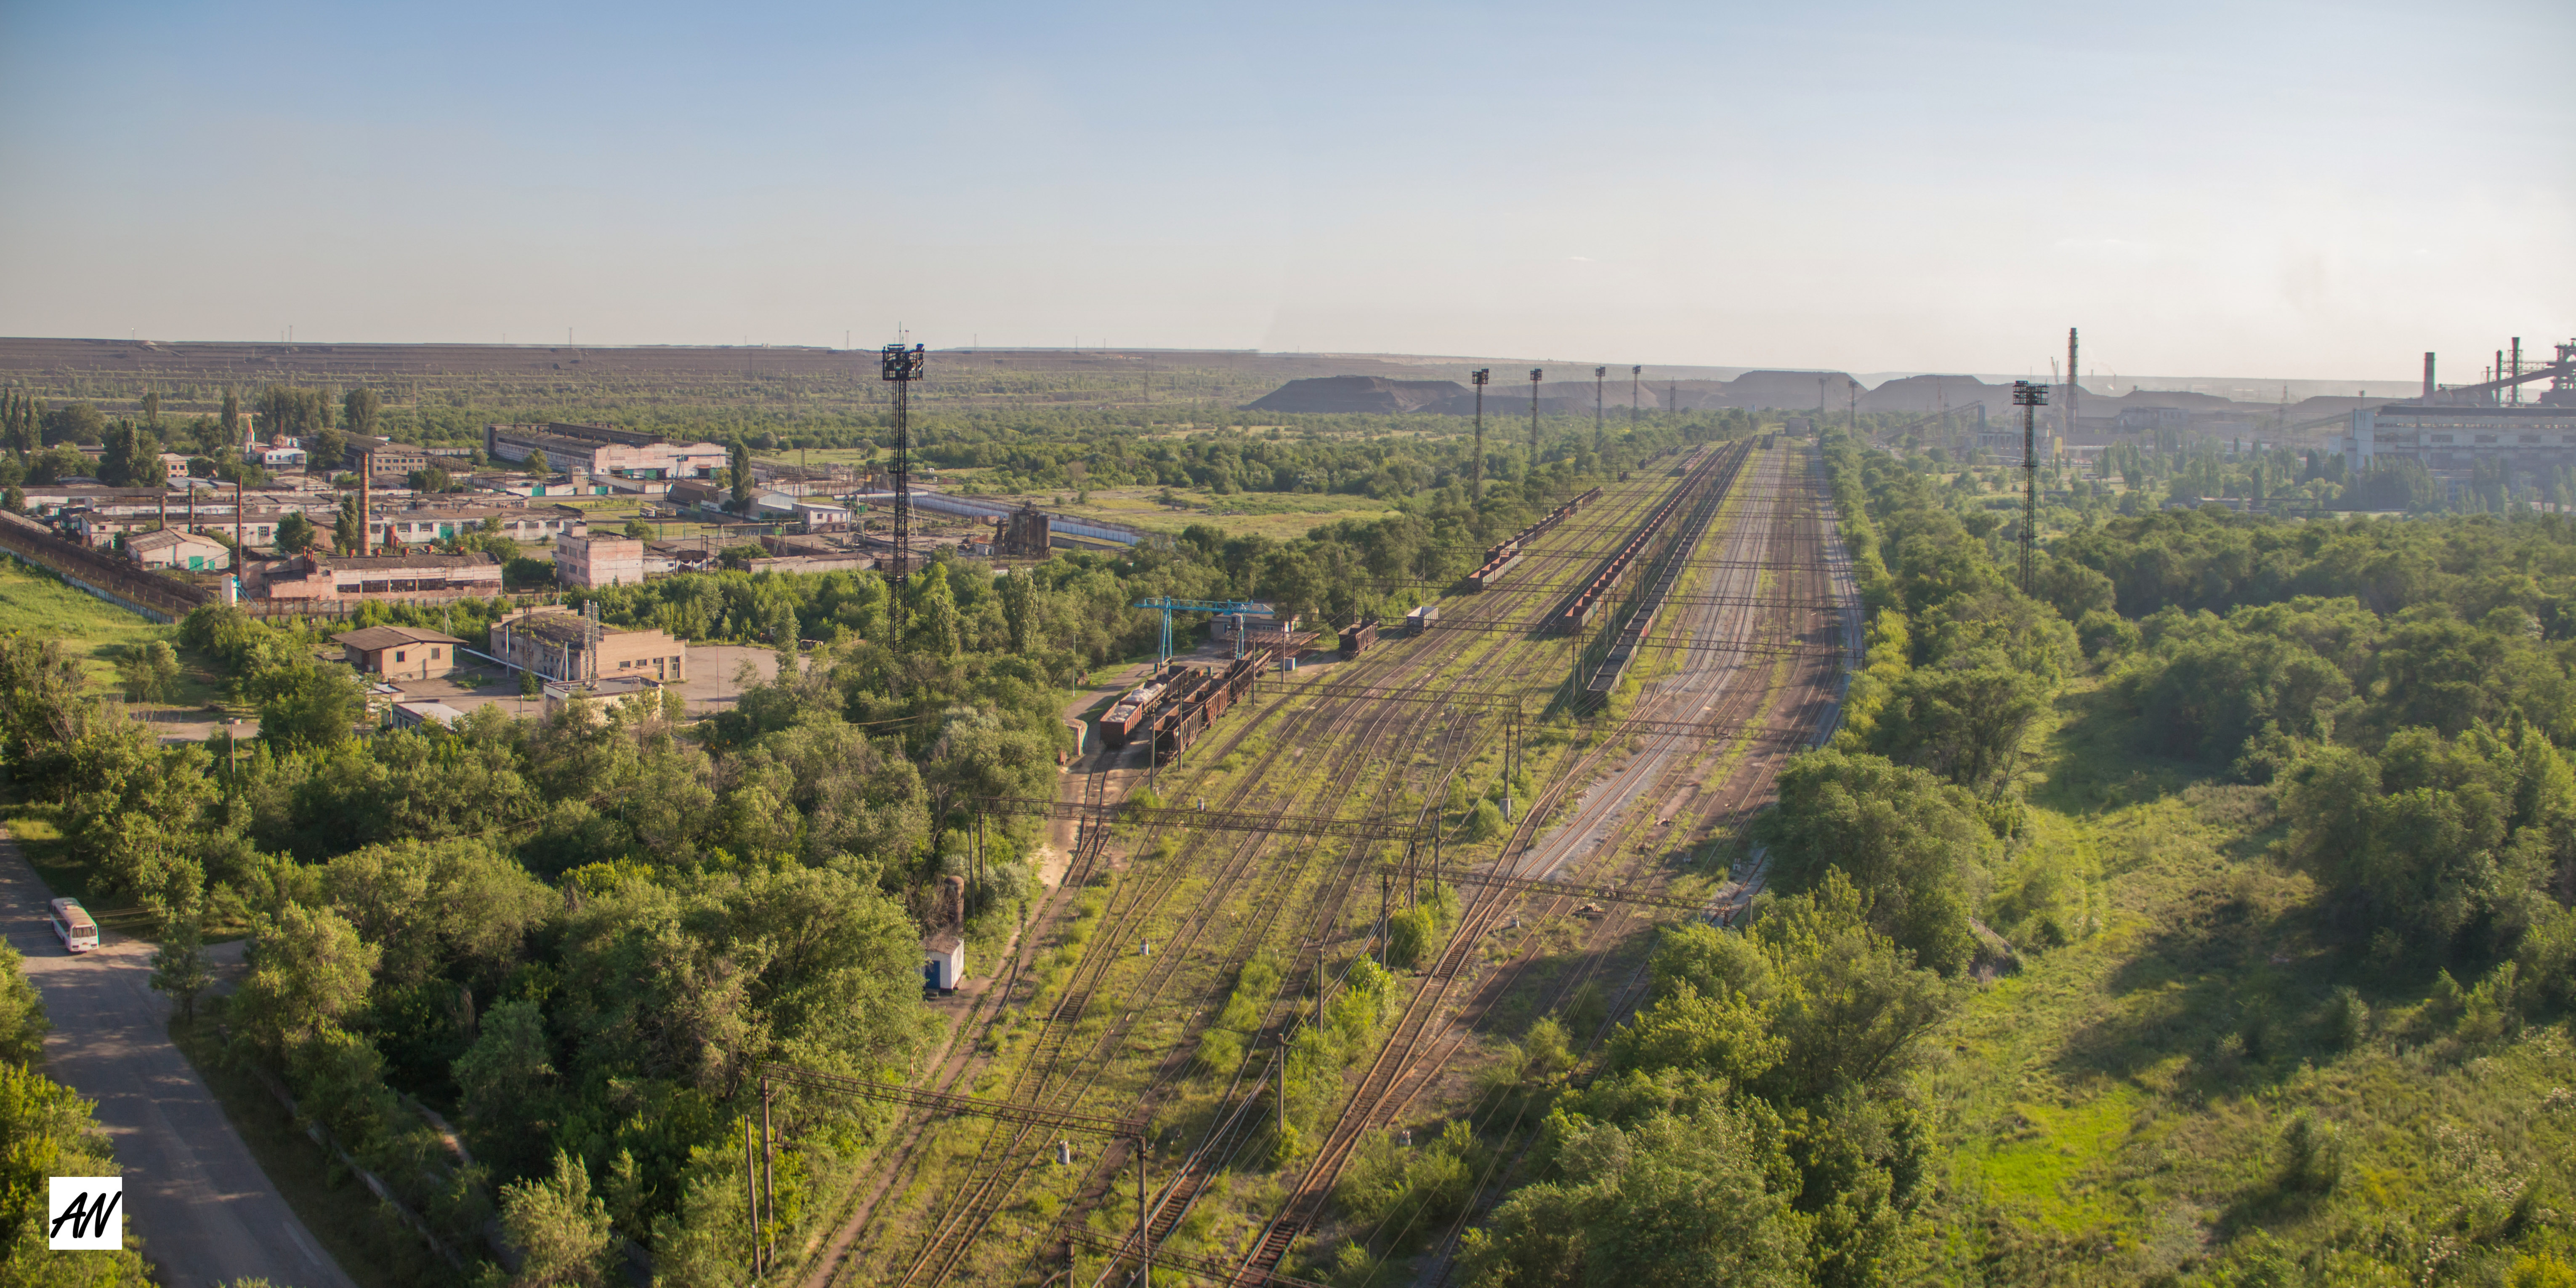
x: 1357, y: 637
x: 1196, y: 700
x: 1500, y: 557
x: 1129, y: 714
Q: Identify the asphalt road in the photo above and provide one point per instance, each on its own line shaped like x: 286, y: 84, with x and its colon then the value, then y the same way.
x: 205, y: 1211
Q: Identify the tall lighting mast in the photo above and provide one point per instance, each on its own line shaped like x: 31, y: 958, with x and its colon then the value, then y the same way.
x: 1635, y: 375
x: 1534, y: 375
x: 901, y: 366
x: 1476, y: 484
x: 2030, y: 398
x: 1597, y: 374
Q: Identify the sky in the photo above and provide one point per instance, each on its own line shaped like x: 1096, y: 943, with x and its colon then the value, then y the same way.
x: 2294, y: 190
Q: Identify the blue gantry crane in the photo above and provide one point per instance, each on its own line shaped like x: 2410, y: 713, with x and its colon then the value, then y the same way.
x: 1236, y: 608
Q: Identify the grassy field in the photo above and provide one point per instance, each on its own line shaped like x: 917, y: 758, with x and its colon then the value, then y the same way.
x: 2120, y: 1110
x: 96, y: 632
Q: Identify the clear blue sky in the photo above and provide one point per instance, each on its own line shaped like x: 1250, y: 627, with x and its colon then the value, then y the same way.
x: 2298, y: 190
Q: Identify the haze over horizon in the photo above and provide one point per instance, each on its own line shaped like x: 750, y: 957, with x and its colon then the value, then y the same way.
x: 2271, y: 189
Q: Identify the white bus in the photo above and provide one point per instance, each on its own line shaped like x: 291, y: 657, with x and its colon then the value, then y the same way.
x: 72, y: 924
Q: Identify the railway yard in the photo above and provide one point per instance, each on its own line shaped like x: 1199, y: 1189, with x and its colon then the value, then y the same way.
x: 1621, y: 685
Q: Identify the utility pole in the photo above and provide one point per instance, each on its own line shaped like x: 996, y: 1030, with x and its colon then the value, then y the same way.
x: 1144, y: 1224
x: 2030, y: 398
x: 901, y: 366
x: 1534, y: 376
x: 1597, y: 374
x: 1476, y: 484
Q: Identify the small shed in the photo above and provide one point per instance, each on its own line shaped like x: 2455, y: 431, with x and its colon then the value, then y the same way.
x: 399, y: 652
x: 413, y: 715
x: 943, y: 941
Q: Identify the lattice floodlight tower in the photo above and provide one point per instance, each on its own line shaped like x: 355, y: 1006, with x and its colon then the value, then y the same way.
x: 1598, y: 373
x: 1535, y: 373
x: 1476, y: 483
x: 901, y: 366
x: 2030, y: 398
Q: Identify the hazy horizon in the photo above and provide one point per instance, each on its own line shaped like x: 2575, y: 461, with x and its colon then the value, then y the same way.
x: 2278, y: 189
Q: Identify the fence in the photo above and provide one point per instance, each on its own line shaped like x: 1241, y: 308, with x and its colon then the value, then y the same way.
x: 109, y: 578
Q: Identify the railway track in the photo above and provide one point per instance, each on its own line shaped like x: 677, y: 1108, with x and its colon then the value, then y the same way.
x: 1410, y: 1057
x: 1057, y: 1071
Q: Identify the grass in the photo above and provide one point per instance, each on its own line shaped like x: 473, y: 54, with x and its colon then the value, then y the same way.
x: 375, y: 1248
x: 2115, y: 1112
x: 96, y: 632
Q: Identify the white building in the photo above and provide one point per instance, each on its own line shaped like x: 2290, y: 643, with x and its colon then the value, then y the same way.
x: 172, y: 548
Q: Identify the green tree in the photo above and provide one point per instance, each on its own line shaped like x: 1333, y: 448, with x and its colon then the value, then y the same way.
x: 560, y: 1230
x: 741, y: 471
x: 358, y: 409
x: 133, y: 458
x: 430, y: 479
x: 22, y: 1013
x: 150, y: 672
x: 311, y: 706
x: 1905, y: 839
x: 506, y: 1085
x: 50, y: 1132
x: 180, y: 967
x: 1673, y: 1201
x: 79, y: 424
x: 638, y: 530
x: 296, y: 534
x: 309, y: 971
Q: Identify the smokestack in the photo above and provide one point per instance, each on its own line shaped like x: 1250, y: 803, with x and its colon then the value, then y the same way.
x: 363, y: 462
x: 2517, y: 367
x: 2074, y: 383
x: 2428, y: 377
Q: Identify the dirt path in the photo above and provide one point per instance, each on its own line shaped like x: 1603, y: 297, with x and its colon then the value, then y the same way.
x: 204, y: 1209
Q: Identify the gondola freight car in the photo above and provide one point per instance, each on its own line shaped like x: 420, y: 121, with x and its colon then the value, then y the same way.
x: 1358, y: 637
x: 1132, y: 714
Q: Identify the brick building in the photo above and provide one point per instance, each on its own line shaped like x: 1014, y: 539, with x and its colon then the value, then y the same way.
x: 379, y: 458
x: 324, y: 578
x: 399, y: 652
x: 554, y: 642
x: 586, y: 562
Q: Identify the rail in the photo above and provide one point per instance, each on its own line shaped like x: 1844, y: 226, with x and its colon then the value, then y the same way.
x: 949, y: 1102
x: 1218, y: 820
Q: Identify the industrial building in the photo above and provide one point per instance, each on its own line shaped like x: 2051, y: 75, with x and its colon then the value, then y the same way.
x: 171, y: 548
x: 587, y: 562
x: 323, y: 578
x: 2499, y: 423
x: 399, y: 652
x: 603, y: 451
x: 560, y: 644
x: 380, y: 458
